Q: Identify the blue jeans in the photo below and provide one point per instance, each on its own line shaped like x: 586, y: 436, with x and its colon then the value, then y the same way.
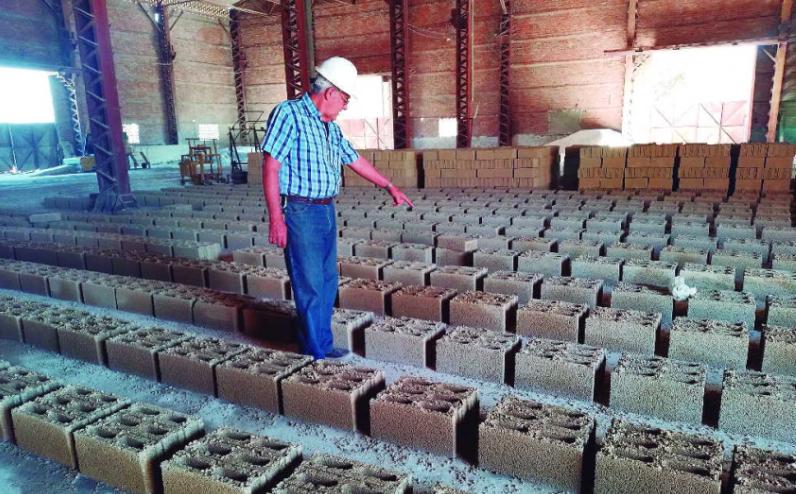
x: 311, y: 258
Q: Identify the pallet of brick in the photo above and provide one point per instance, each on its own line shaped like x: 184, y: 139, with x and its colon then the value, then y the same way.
x: 758, y: 404
x: 46, y: 425
x: 536, y: 441
x: 751, y: 166
x: 402, y: 340
x: 762, y: 470
x: 660, y: 387
x: 650, y: 166
x: 601, y: 168
x: 704, y: 167
x: 559, y: 368
x: 17, y: 386
x: 326, y: 473
x: 622, y: 330
x: 331, y: 393
x: 125, y: 449
x: 534, y: 166
x: 477, y: 353
x: 640, y: 458
x: 348, y: 328
x: 437, y: 417
x: 229, y: 460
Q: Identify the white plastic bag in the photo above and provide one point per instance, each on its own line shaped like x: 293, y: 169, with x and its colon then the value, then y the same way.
x: 681, y: 291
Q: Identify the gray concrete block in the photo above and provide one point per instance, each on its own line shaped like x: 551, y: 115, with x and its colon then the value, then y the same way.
x: 413, y: 252
x: 495, y: 259
x: 327, y: 474
x: 403, y: 340
x: 477, y: 353
x: 762, y: 470
x: 658, y: 274
x: 723, y: 305
x: 545, y: 263
x: 606, y: 269
x: 494, y: 311
x: 765, y: 282
x: 363, y: 267
x: 523, y: 285
x: 716, y: 343
x: 625, y: 250
x: 458, y: 277
x: 680, y: 256
x: 759, y: 404
x: 577, y: 248
x: 779, y: 350
x: 574, y: 290
x: 559, y: 368
x: 708, y: 277
x: 408, y: 273
x: 551, y: 319
x: 622, y: 330
x: 348, y: 327
x: 641, y: 298
x: 695, y: 242
x: 782, y: 311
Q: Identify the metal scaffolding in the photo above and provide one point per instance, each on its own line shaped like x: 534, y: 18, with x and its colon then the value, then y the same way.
x: 399, y: 42
x: 294, y: 40
x: 102, y: 98
x: 463, y: 16
x: 238, y: 66
x: 166, y: 63
x: 67, y: 80
x: 505, y: 74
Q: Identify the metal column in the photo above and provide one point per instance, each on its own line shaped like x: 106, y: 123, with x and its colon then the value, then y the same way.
x: 463, y: 22
x: 294, y: 40
x: 399, y: 42
x: 102, y: 98
x: 238, y: 67
x: 505, y: 74
x: 166, y: 62
x: 68, y: 82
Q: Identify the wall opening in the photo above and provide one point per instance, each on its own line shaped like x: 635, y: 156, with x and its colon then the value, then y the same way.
x: 692, y: 95
x: 367, y: 122
x: 25, y: 96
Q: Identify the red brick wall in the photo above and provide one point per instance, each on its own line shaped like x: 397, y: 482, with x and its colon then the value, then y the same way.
x: 264, y: 75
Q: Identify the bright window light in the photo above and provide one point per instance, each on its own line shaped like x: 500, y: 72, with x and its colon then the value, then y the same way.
x: 25, y: 96
x: 448, y: 127
x: 208, y: 131
x: 133, y: 133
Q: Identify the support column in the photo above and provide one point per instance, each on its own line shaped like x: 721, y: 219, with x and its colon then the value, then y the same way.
x: 505, y: 74
x: 96, y: 56
x: 166, y: 63
x: 779, y: 71
x: 294, y: 41
x: 238, y: 67
x: 399, y: 42
x: 67, y: 80
x: 463, y: 22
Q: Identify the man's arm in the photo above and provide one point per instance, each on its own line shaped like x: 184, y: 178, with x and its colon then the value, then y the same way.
x: 366, y: 170
x: 277, y: 229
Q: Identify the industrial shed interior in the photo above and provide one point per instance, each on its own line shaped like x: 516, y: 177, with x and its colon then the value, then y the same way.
x: 594, y: 291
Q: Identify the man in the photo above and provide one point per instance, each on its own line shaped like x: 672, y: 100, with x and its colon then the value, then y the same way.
x: 303, y: 150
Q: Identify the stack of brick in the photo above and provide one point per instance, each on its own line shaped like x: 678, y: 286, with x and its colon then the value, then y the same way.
x: 705, y: 167
x: 533, y: 167
x: 778, y: 169
x: 751, y: 168
x: 399, y: 166
x: 489, y: 167
x: 255, y: 168
x: 602, y: 168
x: 494, y: 167
x: 650, y: 166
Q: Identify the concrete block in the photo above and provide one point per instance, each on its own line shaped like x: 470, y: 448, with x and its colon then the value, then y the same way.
x: 85, y: 339
x: 11, y: 314
x: 403, y: 340
x: 495, y: 259
x: 624, y: 250
x: 708, y: 277
x: 458, y: 277
x: 606, y: 269
x: 367, y: 295
x: 345, y: 246
x: 561, y: 234
x: 175, y: 303
x: 429, y: 303
x: 227, y: 277
x: 523, y: 285
x: 408, y: 273
x: 765, y: 282
x: 477, y: 353
x: 659, y: 387
x: 125, y: 449
x: 574, y: 290
x: 551, y: 319
x: 374, y: 248
x: 783, y: 262
x: 653, y: 226
x: 331, y: 393
x: 690, y: 228
x: 431, y: 416
x: 709, y: 244
x: 413, y: 253
x: 268, y: 282
x: 762, y: 470
x: 325, y: 473
x: 648, y: 240
x: 523, y: 242
x: 191, y: 272
x: 419, y: 233
x: 493, y: 311
x: 731, y: 230
x: 659, y: 274
x: 606, y: 237
x: 19, y: 385
x: 680, y: 256
x: 723, y: 305
x: 41, y: 328
x: 450, y: 257
x: 46, y: 425
x: 229, y: 460
x: 776, y: 233
x: 740, y: 261
x: 254, y: 377
x: 536, y: 441
x: 645, y: 299
x: 135, y: 296
x: 748, y: 245
x: 136, y: 351
x: 363, y: 267
x: 782, y: 311
x: 545, y: 263
x: 273, y: 320
x: 190, y: 364
x: 779, y: 350
x: 783, y: 247
x: 99, y: 291
x: 578, y: 248
x: 348, y: 328
x: 758, y: 404
x: 639, y: 458
x: 461, y: 243
x: 561, y: 368
x: 622, y: 330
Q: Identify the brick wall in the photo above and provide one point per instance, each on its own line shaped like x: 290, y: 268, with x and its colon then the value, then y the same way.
x: 264, y: 77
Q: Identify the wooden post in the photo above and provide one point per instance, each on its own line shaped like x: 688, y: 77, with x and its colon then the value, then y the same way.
x: 779, y: 75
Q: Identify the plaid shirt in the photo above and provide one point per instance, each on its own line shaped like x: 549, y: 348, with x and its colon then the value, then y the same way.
x: 309, y: 150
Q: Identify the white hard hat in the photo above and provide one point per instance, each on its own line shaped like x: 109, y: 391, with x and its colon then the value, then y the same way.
x: 340, y: 72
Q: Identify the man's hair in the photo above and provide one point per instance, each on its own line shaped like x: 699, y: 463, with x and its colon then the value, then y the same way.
x: 319, y: 84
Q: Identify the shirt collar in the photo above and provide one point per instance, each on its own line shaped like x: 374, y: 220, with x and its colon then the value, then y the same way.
x: 309, y: 106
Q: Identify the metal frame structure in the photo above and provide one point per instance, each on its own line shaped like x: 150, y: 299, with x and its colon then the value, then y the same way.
x: 463, y: 20
x: 238, y: 66
x: 779, y: 71
x: 166, y: 57
x: 67, y: 80
x: 294, y: 40
x: 505, y: 74
x: 399, y: 42
x: 102, y: 98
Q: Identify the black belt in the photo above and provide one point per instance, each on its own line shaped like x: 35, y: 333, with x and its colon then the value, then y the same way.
x: 307, y: 200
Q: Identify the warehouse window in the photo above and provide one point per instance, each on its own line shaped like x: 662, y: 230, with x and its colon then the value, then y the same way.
x: 25, y: 96
x: 208, y: 131
x: 133, y: 133
x: 448, y: 127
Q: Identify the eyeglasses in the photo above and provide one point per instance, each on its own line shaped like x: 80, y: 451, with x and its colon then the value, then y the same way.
x: 344, y: 97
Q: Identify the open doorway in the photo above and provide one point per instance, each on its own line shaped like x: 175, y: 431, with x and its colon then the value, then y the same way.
x: 692, y: 95
x: 367, y: 122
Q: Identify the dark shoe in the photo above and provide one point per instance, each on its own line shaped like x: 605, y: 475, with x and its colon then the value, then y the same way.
x: 337, y: 353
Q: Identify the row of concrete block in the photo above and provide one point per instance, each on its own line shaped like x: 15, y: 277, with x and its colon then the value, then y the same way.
x: 146, y: 449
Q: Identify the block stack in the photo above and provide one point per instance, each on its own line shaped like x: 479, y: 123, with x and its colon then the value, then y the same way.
x: 533, y: 167
x: 399, y: 166
x: 602, y: 168
x: 778, y: 168
x: 751, y: 165
x: 495, y: 167
x: 447, y: 167
x: 705, y: 167
x: 650, y: 166
x: 489, y: 167
x: 255, y: 168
